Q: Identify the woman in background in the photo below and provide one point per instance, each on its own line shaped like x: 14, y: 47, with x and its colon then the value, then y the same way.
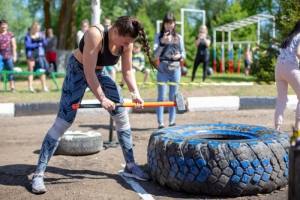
x: 169, y: 50
x: 202, y: 56
x: 35, y: 43
x: 287, y: 73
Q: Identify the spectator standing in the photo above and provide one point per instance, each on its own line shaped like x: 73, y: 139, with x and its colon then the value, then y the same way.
x: 169, y: 49
x: 287, y: 73
x: 248, y: 60
x: 138, y: 61
x: 202, y: 43
x: 85, y: 24
x: 35, y: 43
x: 8, y: 51
x: 51, y: 49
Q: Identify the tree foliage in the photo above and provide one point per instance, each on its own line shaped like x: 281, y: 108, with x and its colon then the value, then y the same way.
x: 18, y: 17
x: 288, y: 15
x: 65, y: 16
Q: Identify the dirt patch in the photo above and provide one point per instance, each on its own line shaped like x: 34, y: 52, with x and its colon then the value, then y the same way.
x: 96, y: 176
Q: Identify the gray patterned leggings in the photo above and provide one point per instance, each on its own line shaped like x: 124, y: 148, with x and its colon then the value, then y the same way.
x: 72, y: 92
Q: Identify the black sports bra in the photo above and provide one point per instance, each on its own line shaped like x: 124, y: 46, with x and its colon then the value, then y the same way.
x: 105, y: 57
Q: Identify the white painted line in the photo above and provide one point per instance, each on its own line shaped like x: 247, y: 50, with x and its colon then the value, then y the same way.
x: 213, y: 103
x: 229, y: 83
x: 292, y: 102
x: 7, y: 109
x: 136, y: 187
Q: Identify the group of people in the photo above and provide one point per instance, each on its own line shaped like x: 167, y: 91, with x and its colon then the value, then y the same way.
x: 40, y: 52
x: 100, y: 47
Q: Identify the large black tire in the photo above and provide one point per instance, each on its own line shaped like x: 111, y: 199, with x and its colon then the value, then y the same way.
x: 79, y: 143
x: 219, y: 159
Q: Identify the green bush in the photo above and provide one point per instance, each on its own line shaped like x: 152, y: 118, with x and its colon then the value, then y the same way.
x: 264, y: 64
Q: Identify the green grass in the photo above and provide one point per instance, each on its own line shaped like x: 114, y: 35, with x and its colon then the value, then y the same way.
x: 148, y: 91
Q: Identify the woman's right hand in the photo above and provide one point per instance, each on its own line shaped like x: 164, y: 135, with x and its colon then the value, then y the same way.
x: 107, y: 104
x: 167, y: 38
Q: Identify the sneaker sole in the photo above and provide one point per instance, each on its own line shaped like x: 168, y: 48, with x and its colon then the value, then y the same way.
x: 39, y: 191
x: 133, y: 176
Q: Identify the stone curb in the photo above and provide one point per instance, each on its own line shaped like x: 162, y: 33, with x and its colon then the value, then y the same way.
x: 194, y: 104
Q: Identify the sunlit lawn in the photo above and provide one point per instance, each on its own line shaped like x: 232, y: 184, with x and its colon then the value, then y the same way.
x: 148, y: 91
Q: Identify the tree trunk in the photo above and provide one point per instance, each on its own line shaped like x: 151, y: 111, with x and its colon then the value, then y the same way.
x: 66, y: 25
x: 96, y: 12
x: 47, y: 4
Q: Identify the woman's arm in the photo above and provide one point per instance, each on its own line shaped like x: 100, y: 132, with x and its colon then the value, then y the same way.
x: 298, y: 51
x: 197, y: 41
x: 128, y: 74
x: 92, y: 45
x: 182, y: 49
x: 14, y: 48
x: 158, y: 48
x: 207, y: 41
x: 203, y: 37
x: 44, y: 40
x: 29, y: 44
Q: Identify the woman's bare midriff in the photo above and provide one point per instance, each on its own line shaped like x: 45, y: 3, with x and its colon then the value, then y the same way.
x: 78, y: 55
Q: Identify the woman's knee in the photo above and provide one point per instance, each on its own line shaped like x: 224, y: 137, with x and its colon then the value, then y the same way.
x: 122, y: 120
x: 59, y: 127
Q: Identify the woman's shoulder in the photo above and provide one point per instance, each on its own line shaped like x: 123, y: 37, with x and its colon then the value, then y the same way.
x: 95, y: 31
x: 97, y: 27
x: 10, y: 34
x: 297, y: 38
x: 178, y: 35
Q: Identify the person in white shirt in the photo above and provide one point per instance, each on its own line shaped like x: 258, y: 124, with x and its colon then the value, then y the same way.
x: 287, y: 72
x: 84, y: 27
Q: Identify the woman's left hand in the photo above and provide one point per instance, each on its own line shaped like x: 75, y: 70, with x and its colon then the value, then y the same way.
x: 136, y: 98
x: 177, y: 56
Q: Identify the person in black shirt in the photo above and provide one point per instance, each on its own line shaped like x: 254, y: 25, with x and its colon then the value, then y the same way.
x: 202, y: 56
x: 98, y: 48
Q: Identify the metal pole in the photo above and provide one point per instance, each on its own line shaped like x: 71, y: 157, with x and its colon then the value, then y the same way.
x: 273, y: 21
x: 230, y: 55
x: 294, y: 175
x: 110, y: 143
x: 222, y: 48
x: 182, y: 22
x: 111, y: 129
x: 158, y: 26
x: 204, y: 17
x: 258, y: 32
x: 215, y: 50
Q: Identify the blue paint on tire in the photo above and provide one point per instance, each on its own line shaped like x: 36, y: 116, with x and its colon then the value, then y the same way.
x: 219, y: 159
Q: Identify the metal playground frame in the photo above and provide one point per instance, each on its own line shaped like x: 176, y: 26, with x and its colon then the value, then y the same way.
x: 229, y: 27
x: 181, y: 22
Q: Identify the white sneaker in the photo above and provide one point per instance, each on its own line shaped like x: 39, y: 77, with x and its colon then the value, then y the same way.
x: 136, y: 172
x: 38, y: 186
x: 31, y: 90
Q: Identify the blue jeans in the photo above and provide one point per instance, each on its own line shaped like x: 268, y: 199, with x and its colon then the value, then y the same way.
x: 41, y: 63
x: 73, y: 90
x: 74, y: 87
x: 8, y: 65
x: 165, y: 78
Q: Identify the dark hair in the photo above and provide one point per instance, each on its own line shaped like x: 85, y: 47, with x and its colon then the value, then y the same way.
x: 130, y: 26
x: 3, y: 21
x: 169, y: 17
x: 290, y: 36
